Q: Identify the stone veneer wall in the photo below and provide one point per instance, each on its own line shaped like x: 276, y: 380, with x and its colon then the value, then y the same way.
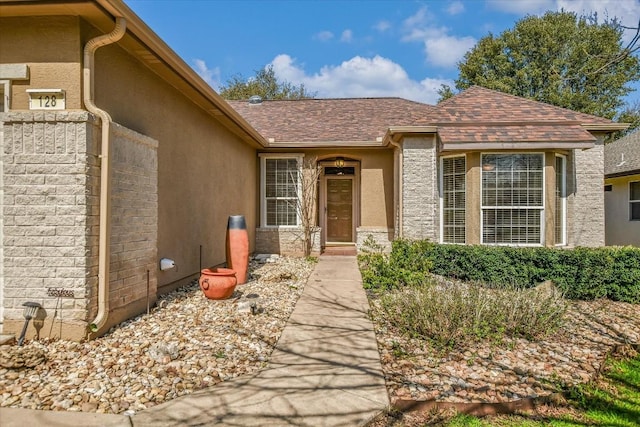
x: 49, y: 216
x: 134, y: 224
x: 585, y: 213
x: 419, y: 189
x: 284, y: 241
x: 381, y: 236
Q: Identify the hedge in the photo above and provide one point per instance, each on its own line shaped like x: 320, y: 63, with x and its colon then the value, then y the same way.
x: 581, y: 273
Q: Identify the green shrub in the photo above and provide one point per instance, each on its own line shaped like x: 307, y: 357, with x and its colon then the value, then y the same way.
x: 459, y: 313
x: 581, y: 273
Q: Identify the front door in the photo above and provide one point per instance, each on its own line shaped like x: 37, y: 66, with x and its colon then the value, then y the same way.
x: 339, y: 209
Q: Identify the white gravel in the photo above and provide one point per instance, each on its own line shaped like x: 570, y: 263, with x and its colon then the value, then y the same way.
x: 186, y: 343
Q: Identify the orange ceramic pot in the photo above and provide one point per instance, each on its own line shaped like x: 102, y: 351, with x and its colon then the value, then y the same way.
x: 238, y: 247
x: 217, y: 283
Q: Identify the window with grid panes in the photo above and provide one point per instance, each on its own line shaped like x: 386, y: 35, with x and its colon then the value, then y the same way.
x: 453, y: 199
x: 561, y: 200
x: 634, y: 201
x: 512, y: 198
x: 281, y: 191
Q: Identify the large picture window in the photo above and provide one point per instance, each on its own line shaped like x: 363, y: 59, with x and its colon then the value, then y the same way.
x: 280, y: 191
x: 453, y: 199
x: 634, y: 201
x: 512, y: 198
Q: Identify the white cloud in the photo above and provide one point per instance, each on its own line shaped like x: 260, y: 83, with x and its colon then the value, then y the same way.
x: 209, y: 75
x: 455, y: 8
x: 627, y: 11
x: 521, y: 7
x: 323, y: 36
x: 382, y: 26
x: 445, y: 50
x: 441, y: 49
x: 347, y: 36
x: 359, y: 77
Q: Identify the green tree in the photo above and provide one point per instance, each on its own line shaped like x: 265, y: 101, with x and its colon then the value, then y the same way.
x: 445, y: 92
x: 558, y: 58
x: 629, y: 114
x: 264, y: 84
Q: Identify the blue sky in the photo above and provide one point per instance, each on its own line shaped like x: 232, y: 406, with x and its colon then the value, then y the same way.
x: 357, y: 48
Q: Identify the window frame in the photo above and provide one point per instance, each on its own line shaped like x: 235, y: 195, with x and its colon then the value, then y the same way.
x: 633, y: 201
x: 541, y: 208
x: 442, y: 199
x: 263, y: 187
x: 563, y: 198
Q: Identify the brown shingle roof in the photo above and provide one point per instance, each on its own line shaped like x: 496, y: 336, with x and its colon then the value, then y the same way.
x: 322, y: 120
x: 623, y: 156
x: 499, y: 117
x: 474, y: 115
x: 515, y: 133
x: 479, y: 104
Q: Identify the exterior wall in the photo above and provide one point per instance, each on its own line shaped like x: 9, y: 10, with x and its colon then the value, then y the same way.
x: 420, y: 218
x: 585, y: 196
x: 206, y: 172
x: 134, y: 225
x: 49, y: 215
x: 51, y: 47
x: 284, y: 241
x: 381, y: 236
x: 619, y: 230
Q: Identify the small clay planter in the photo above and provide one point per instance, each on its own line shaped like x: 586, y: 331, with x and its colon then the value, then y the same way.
x: 217, y: 283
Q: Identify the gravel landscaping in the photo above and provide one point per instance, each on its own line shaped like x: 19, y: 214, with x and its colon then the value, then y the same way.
x: 186, y: 343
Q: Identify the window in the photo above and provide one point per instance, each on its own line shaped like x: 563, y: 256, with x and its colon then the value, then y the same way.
x: 4, y: 95
x: 280, y: 191
x: 512, y: 199
x: 634, y: 201
x: 453, y: 199
x: 561, y: 201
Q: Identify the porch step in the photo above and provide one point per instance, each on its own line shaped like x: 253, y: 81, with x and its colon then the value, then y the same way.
x: 340, y: 250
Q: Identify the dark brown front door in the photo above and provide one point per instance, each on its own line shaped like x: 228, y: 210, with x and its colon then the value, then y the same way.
x: 340, y: 209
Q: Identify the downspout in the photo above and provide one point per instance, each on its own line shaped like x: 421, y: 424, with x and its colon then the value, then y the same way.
x: 105, y: 168
x: 400, y: 187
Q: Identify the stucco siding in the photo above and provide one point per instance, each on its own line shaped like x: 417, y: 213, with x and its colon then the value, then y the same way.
x: 620, y: 230
x: 206, y: 172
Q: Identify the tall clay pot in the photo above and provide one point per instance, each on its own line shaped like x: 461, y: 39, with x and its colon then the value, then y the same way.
x: 238, y: 247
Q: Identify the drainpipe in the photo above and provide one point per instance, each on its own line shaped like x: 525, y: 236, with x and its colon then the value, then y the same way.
x: 400, y: 179
x: 105, y: 168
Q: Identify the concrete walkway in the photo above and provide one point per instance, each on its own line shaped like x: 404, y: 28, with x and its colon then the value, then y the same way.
x: 325, y: 370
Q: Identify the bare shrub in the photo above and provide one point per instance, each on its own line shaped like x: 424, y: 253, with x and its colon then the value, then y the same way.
x: 454, y: 314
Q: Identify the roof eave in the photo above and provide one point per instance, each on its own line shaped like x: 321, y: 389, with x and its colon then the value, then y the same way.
x: 514, y: 145
x: 136, y: 26
x: 605, y: 127
x: 394, y: 133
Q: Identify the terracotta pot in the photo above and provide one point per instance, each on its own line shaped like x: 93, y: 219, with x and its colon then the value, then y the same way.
x: 217, y: 283
x: 238, y: 247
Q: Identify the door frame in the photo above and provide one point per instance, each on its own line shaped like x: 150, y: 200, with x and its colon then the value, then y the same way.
x: 355, y: 203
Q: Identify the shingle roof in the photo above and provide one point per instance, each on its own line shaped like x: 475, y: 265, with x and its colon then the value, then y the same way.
x: 479, y: 104
x: 499, y: 117
x: 321, y: 120
x: 474, y: 115
x: 622, y: 156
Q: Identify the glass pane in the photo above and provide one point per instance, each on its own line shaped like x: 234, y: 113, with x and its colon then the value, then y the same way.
x: 453, y: 199
x: 634, y: 190
x: 635, y: 211
x: 511, y: 226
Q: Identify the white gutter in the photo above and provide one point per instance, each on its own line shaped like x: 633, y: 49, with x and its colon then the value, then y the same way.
x: 105, y: 168
x: 399, y: 208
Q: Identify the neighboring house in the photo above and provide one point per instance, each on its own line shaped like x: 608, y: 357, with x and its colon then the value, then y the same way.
x: 111, y: 160
x: 622, y: 191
